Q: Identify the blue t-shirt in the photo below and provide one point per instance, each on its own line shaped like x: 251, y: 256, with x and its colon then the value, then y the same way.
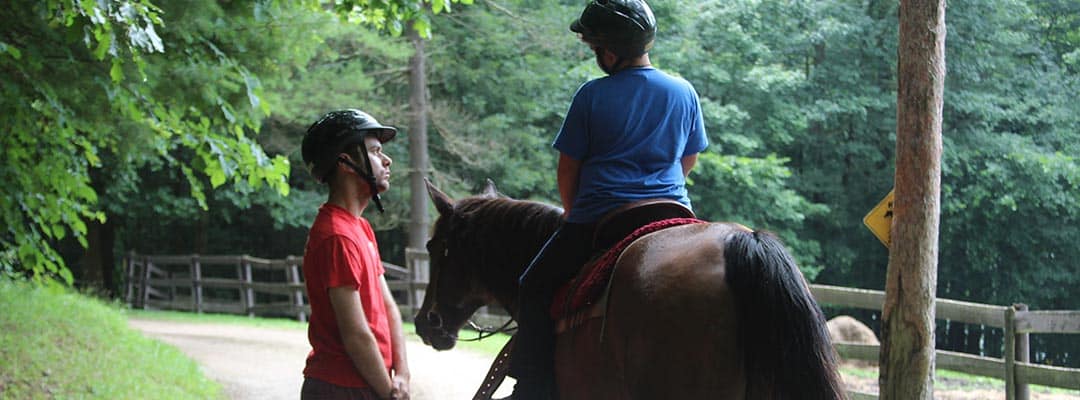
x: 630, y: 131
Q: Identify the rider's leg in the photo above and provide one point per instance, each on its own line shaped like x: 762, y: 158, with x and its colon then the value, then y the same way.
x: 532, y: 362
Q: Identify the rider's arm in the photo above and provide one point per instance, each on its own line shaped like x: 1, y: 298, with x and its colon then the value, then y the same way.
x: 397, y: 338
x: 358, y: 340
x: 569, y: 173
x: 688, y: 164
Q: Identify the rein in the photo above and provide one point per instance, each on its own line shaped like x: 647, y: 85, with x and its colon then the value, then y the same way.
x: 484, y: 333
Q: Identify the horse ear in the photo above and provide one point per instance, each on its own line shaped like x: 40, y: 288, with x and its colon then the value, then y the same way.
x: 489, y: 189
x: 443, y: 203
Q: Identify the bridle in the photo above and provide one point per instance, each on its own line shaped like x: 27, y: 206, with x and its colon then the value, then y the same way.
x: 435, y: 320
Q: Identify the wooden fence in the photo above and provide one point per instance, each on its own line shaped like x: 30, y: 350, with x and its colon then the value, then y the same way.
x: 275, y: 287
x: 231, y: 284
x: 1017, y: 321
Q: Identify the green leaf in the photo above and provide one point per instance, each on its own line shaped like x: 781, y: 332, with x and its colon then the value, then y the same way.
x: 65, y: 273
x: 11, y: 50
x: 117, y: 70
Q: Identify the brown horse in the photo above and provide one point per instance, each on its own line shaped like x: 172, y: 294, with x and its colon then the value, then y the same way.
x: 699, y: 311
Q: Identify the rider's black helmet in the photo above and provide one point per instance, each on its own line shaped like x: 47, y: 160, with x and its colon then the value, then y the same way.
x: 626, y: 27
x: 333, y: 133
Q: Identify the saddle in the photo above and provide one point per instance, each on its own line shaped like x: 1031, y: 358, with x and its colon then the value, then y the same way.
x: 614, y: 233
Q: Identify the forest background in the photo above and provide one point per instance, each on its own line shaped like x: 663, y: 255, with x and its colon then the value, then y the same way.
x: 175, y: 128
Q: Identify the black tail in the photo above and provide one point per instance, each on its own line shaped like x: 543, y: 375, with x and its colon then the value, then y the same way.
x: 786, y: 348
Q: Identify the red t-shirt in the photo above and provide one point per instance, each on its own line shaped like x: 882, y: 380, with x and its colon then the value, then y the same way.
x: 341, y: 251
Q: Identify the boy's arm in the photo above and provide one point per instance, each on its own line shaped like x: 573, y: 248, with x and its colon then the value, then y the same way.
x: 688, y: 163
x: 569, y: 172
x: 358, y: 340
x: 397, y: 338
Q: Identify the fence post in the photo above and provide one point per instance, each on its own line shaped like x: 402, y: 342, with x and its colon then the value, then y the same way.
x: 170, y: 275
x: 1022, y: 353
x: 419, y: 266
x: 1010, y: 353
x: 129, y: 278
x: 298, y: 293
x: 410, y: 281
x: 144, y: 282
x: 247, y: 293
x: 196, y: 283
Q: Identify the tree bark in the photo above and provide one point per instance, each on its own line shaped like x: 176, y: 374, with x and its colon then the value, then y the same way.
x: 98, y: 261
x: 418, y: 154
x: 907, y: 351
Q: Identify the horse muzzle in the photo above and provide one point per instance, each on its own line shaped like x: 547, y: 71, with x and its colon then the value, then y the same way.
x: 431, y: 330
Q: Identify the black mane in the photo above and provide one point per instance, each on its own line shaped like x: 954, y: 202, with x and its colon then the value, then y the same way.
x: 500, y: 235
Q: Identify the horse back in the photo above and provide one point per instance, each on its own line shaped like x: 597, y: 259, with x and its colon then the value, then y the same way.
x: 669, y: 330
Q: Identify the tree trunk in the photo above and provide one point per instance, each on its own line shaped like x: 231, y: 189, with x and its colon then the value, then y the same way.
x: 98, y: 261
x: 202, y: 227
x: 418, y: 154
x: 907, y: 351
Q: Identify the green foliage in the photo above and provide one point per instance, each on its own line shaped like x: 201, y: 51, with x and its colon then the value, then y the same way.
x: 502, y: 76
x: 1009, y: 187
x: 93, y: 82
x: 394, y: 15
x: 754, y: 192
x: 97, y: 95
x: 60, y: 344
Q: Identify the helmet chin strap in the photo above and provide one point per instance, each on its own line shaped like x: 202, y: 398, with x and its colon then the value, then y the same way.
x: 368, y: 177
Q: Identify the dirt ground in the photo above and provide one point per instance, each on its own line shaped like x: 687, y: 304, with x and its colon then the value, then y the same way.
x: 266, y: 363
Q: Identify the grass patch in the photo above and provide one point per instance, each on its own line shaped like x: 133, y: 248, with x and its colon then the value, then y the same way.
x: 55, y: 343
x: 947, y: 380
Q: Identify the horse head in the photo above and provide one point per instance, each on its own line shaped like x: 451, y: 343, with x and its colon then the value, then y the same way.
x: 454, y: 291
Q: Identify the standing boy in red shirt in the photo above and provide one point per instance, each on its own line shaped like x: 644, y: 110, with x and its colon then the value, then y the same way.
x: 358, y: 347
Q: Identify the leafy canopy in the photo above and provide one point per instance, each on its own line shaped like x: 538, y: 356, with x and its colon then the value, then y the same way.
x: 86, y: 83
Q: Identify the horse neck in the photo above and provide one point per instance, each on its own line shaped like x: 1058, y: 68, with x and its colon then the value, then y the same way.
x: 503, y: 240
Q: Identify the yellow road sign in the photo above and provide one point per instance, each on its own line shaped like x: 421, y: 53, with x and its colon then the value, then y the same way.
x: 879, y: 220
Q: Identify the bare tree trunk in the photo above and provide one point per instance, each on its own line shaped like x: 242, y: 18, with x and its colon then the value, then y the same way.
x: 93, y: 274
x: 98, y: 262
x: 907, y: 351
x: 418, y: 154
x: 202, y: 227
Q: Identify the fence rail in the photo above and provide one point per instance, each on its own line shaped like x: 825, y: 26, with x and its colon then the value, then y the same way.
x: 275, y: 287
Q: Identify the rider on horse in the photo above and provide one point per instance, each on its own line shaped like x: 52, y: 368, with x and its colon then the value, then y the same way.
x: 631, y: 135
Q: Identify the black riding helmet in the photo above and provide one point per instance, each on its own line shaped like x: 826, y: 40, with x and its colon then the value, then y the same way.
x: 332, y: 135
x: 625, y: 27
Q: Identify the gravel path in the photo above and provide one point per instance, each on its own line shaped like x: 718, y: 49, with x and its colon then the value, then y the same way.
x: 266, y: 363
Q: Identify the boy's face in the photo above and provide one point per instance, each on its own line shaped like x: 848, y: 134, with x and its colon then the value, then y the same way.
x: 380, y: 162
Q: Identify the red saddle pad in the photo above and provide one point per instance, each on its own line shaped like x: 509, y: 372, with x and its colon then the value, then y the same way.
x: 590, y: 283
